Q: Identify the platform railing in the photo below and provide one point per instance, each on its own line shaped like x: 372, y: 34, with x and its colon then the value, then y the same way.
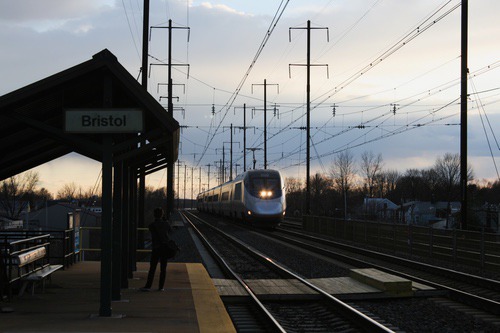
x: 89, y: 245
x: 61, y: 248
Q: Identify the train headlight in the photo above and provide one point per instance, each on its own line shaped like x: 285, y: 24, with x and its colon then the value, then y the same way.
x: 266, y: 194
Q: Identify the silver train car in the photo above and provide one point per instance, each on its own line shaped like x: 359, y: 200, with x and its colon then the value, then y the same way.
x: 255, y: 196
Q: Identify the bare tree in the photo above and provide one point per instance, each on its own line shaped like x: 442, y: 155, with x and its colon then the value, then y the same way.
x: 343, y: 172
x: 15, y: 191
x: 447, y: 173
x: 68, y: 192
x: 386, y: 182
x: 293, y: 185
x: 371, y: 167
x: 319, y: 187
x: 294, y: 195
x: 447, y: 170
x: 43, y: 194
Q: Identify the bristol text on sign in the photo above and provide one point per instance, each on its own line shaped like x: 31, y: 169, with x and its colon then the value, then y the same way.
x: 103, y: 120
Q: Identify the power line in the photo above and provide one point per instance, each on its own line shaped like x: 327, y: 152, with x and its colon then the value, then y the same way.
x: 235, y: 94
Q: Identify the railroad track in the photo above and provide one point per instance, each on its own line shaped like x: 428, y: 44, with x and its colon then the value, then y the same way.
x: 243, y: 263
x: 472, y: 290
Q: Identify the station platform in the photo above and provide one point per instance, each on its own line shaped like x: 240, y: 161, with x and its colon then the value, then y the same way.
x: 70, y: 303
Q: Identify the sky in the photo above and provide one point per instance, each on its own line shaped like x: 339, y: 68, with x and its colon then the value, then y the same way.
x: 385, y: 77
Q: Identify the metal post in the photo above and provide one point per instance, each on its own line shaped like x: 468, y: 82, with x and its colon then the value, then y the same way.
x: 208, y: 180
x: 463, y: 114
x: 106, y: 227
x: 192, y: 179
x: 132, y: 252
x: 308, y: 130
x: 178, y: 183
x: 170, y: 164
x: 265, y: 118
x: 308, y: 113
x: 117, y: 231
x: 145, y: 29
x: 125, y: 226
x: 265, y: 124
x: 244, y: 137
x: 184, y: 201
x: 231, y: 156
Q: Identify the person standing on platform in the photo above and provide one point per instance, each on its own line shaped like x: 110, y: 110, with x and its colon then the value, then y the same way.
x: 160, y: 230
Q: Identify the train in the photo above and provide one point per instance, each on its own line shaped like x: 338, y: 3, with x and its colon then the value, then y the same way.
x: 255, y: 196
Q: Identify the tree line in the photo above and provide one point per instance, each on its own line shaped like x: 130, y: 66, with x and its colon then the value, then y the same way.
x: 341, y: 191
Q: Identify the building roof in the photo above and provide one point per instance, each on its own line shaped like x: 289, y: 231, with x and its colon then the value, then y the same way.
x: 32, y: 119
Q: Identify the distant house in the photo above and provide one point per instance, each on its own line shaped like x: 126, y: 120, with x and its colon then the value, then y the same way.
x: 62, y: 216
x: 55, y: 216
x: 381, y: 208
x: 438, y: 214
x: 489, y: 217
x: 10, y: 224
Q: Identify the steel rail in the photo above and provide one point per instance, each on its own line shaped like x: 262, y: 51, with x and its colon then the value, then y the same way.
x: 485, y: 304
x: 352, y: 314
x: 232, y: 273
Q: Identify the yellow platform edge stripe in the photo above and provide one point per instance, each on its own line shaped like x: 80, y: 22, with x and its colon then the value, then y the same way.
x: 210, y: 310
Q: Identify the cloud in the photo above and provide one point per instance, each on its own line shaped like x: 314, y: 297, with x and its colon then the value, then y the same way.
x: 28, y: 11
x: 49, y: 15
x: 46, y: 37
x: 223, y: 8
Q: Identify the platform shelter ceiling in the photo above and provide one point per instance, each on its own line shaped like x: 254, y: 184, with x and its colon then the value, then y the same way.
x: 32, y: 119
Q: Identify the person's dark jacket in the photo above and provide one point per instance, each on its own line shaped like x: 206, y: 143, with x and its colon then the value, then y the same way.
x: 159, y: 233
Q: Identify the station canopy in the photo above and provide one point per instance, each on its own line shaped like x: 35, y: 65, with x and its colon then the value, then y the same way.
x: 32, y: 119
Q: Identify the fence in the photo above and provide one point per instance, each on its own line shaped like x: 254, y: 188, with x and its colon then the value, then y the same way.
x: 89, y: 244
x: 61, y: 248
x: 477, y: 250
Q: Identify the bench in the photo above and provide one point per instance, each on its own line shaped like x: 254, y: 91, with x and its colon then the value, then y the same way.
x: 26, y: 261
x: 33, y: 267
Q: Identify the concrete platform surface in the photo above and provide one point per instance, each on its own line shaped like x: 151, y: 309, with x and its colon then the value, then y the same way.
x: 70, y: 303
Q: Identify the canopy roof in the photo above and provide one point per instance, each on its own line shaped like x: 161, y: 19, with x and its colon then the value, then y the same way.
x: 32, y: 119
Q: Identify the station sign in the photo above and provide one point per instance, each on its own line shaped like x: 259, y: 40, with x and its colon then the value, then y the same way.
x: 103, y: 121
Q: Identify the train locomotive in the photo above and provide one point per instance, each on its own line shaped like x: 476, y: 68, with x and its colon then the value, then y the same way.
x: 255, y: 196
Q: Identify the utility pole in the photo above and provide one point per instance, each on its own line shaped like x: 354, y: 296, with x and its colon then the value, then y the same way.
x: 230, y: 153
x: 219, y: 162
x: 223, y: 163
x: 208, y: 179
x: 192, y: 187
x: 244, y: 128
x: 178, y: 182
x: 308, y: 90
x: 185, y: 176
x: 463, y: 113
x: 145, y: 39
x: 170, y: 109
x: 265, y: 116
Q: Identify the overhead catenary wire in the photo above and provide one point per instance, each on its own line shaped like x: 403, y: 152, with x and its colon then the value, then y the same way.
x: 417, y: 98
x: 401, y: 42
x: 481, y: 108
x: 297, y: 120
x: 235, y: 94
